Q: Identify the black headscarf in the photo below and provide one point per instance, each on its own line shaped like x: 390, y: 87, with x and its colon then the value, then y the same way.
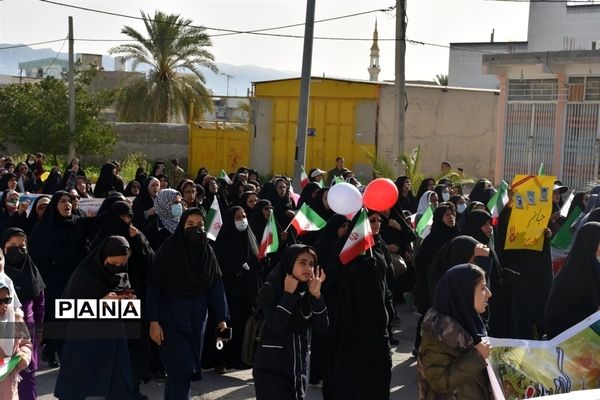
x: 577, y: 202
x: 112, y: 224
x: 474, y: 221
x: 423, y: 187
x: 454, y: 296
x: 183, y: 269
x: 108, y: 201
x: 4, y: 179
x: 457, y: 251
x: 575, y: 292
x: 298, y: 320
x: 43, y: 231
x: 478, y: 192
x: 405, y: 203
x: 234, y: 248
x: 32, y: 218
x: 106, y: 180
x: 26, y: 277
x: 92, y: 278
x: 306, y: 194
x: 51, y: 181
x: 129, y: 189
x: 319, y: 207
x: 257, y: 220
x: 328, y: 237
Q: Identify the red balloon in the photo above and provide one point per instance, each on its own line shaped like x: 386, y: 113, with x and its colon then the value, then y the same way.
x: 381, y: 194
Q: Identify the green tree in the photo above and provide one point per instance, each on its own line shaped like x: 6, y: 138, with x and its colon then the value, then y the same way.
x: 34, y: 117
x: 173, y: 45
x: 441, y: 79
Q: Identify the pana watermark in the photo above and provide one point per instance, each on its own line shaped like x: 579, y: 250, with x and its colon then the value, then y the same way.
x: 98, y: 308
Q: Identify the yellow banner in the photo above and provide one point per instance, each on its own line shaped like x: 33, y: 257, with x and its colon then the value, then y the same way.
x: 531, y: 210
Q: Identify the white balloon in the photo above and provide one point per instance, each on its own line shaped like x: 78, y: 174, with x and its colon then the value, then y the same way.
x: 344, y: 198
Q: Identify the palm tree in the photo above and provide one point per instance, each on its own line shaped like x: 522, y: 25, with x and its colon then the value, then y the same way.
x: 173, y: 45
x: 441, y: 79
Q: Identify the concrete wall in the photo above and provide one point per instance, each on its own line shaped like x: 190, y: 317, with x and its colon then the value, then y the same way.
x: 550, y: 23
x: 156, y: 141
x: 458, y: 125
x: 464, y: 69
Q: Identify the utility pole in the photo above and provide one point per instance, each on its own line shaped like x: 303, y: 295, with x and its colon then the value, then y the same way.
x: 398, y: 145
x: 300, y: 154
x: 71, y: 93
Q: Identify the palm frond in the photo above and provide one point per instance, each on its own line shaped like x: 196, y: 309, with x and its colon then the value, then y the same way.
x: 381, y: 168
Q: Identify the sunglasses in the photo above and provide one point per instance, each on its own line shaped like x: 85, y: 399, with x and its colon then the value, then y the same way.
x: 7, y: 300
x: 75, y: 197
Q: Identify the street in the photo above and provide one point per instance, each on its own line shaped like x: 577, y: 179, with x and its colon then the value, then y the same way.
x: 237, y: 385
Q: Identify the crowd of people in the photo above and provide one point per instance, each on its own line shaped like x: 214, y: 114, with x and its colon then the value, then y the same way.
x: 324, y: 321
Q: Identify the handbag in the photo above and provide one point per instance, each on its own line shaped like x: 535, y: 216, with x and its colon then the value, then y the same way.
x: 253, y: 331
x: 399, y: 264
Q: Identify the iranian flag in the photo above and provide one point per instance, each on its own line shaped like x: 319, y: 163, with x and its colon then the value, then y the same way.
x: 7, y: 365
x: 213, y: 219
x: 270, y: 240
x: 224, y: 175
x: 498, y: 201
x: 307, y: 219
x: 303, y: 178
x: 424, y: 226
x: 360, y: 239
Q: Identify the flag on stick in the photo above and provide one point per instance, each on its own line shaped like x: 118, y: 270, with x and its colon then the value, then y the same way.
x: 303, y: 178
x: 360, y: 239
x: 270, y: 239
x: 224, y: 175
x: 7, y: 365
x: 307, y: 219
x: 424, y: 225
x: 498, y: 201
x: 214, y: 221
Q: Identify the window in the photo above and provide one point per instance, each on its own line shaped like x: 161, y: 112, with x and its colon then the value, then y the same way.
x: 576, y: 88
x: 532, y: 90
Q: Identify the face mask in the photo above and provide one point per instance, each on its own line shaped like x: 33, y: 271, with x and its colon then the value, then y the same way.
x: 445, y: 196
x: 30, y: 162
x: 116, y: 267
x: 176, y: 210
x: 193, y: 234
x: 241, y: 225
x: 461, y: 208
x: 16, y: 255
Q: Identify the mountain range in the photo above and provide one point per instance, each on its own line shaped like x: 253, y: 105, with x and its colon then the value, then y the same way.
x: 240, y: 76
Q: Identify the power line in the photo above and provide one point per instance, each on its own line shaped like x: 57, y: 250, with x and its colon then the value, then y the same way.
x: 574, y: 2
x: 57, y: 54
x: 30, y: 44
x: 228, y: 31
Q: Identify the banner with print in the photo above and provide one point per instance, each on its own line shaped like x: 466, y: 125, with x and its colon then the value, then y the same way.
x: 522, y: 369
x: 531, y: 211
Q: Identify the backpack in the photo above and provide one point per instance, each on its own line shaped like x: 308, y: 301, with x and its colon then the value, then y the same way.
x: 253, y: 334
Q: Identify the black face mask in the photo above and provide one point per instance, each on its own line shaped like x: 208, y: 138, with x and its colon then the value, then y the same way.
x: 16, y: 255
x: 193, y: 234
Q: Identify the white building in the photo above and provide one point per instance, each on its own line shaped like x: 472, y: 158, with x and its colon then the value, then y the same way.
x: 553, y: 26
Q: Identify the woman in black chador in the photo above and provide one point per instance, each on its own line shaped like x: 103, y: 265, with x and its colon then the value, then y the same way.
x: 95, y: 359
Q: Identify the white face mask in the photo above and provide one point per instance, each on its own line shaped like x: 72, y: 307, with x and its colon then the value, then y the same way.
x: 461, y: 208
x: 445, y: 196
x: 241, y: 225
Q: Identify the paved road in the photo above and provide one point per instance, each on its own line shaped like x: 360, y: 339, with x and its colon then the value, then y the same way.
x: 238, y: 385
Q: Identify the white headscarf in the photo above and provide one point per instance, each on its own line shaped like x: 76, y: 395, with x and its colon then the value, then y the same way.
x: 7, y: 324
x: 424, y: 202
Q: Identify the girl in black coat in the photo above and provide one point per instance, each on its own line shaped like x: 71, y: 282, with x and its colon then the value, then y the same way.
x: 106, y: 180
x: 291, y: 303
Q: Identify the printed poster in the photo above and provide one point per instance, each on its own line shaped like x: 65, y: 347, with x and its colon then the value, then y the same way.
x: 531, y: 211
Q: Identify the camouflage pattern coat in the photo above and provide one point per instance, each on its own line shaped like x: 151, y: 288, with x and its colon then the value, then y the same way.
x: 448, y: 365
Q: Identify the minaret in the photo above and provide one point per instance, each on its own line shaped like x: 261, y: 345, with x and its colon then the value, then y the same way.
x: 374, y: 68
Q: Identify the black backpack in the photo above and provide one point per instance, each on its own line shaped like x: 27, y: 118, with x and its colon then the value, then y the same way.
x: 253, y: 335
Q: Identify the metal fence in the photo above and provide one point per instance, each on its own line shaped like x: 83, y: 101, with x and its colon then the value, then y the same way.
x: 581, y: 144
